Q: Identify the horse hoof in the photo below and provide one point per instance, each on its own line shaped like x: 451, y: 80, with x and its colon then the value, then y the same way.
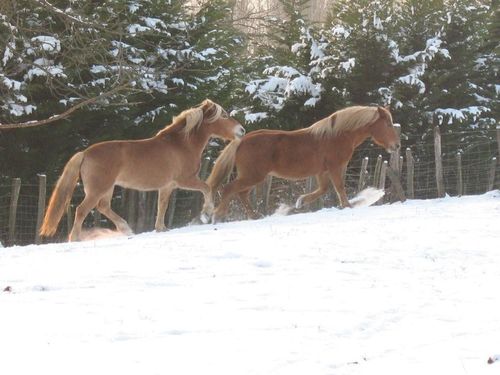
x: 205, y: 219
x: 299, y: 203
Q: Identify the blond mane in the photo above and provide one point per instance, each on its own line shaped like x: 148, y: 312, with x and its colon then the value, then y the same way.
x: 344, y: 120
x: 191, y: 119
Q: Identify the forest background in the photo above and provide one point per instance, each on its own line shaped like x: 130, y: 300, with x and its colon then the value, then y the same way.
x: 73, y: 73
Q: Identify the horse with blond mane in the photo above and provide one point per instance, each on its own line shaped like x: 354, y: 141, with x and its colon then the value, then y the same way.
x: 323, y: 149
x: 171, y: 159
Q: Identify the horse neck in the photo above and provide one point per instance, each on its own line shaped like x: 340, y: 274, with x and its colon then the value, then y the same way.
x: 196, y: 141
x: 359, y: 136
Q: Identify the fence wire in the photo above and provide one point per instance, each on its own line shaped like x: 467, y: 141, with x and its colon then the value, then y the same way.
x: 139, y: 208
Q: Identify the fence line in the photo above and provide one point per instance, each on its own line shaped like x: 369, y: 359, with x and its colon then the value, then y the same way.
x: 424, y: 171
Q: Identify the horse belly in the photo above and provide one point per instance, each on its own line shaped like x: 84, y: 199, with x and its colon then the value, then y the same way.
x: 294, y: 167
x: 143, y: 178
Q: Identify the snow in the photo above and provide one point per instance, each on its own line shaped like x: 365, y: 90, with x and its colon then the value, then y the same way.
x: 341, y: 31
x: 396, y: 289
x: 460, y: 114
x: 8, y: 54
x: 20, y: 110
x: 311, y: 102
x: 255, y: 117
x: 47, y: 43
x: 413, y: 80
x: 154, y: 23
x: 97, y: 69
x: 208, y: 52
x: 43, y: 67
x: 12, y: 84
x: 348, y: 65
x: 136, y: 28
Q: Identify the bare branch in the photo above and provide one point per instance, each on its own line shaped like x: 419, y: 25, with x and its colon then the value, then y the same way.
x: 65, y: 114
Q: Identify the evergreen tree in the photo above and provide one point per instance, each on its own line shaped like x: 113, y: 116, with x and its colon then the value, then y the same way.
x: 284, y: 93
x: 163, y: 56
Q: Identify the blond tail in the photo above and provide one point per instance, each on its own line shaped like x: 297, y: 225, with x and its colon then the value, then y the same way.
x: 61, y: 195
x: 223, y: 165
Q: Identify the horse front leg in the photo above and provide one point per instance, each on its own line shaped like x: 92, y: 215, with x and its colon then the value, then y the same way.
x: 163, y: 199
x: 194, y: 183
x: 305, y: 199
x: 337, y: 177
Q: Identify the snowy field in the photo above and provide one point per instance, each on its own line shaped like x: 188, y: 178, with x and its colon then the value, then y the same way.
x: 409, y: 288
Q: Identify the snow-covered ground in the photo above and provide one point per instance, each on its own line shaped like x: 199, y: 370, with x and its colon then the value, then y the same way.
x: 409, y: 288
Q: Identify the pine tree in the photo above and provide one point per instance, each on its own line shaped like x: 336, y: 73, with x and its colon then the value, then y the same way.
x: 285, y: 92
x: 165, y: 57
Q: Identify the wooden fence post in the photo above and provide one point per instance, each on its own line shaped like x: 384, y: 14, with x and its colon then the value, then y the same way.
x: 394, y: 159
x: 491, y: 179
x: 141, y: 212
x: 16, y: 187
x: 69, y: 219
x: 97, y: 218
x: 439, y: 162
x: 498, y: 139
x: 152, y: 204
x: 198, y: 197
x: 363, y: 174
x: 460, y: 182
x: 394, y: 171
x: 410, y: 172
x: 376, y: 175
x: 381, y: 179
x: 171, y: 209
x: 267, y: 193
x: 42, y: 195
x: 396, y: 184
x: 383, y: 173
x: 132, y: 209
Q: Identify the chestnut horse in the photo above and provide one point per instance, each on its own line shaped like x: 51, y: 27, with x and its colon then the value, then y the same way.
x: 171, y: 159
x: 323, y: 150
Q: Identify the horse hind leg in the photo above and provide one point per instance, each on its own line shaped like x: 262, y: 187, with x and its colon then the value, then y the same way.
x: 228, y: 192
x: 247, y: 205
x: 104, y: 207
x: 88, y: 203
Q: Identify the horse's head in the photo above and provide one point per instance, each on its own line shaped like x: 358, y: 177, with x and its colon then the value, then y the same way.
x: 221, y: 125
x: 383, y: 132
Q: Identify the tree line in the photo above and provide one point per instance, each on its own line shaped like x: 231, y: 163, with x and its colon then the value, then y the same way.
x: 73, y: 73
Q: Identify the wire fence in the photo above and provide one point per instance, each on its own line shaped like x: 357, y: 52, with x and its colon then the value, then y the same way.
x: 470, y: 166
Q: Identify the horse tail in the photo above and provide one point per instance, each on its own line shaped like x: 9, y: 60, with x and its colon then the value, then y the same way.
x: 223, y: 165
x: 61, y: 196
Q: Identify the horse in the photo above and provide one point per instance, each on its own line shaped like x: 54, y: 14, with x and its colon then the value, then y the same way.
x: 170, y: 159
x: 323, y: 149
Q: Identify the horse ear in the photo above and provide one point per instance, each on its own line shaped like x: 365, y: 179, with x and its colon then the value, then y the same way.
x: 333, y: 118
x: 382, y: 112
x: 206, y: 105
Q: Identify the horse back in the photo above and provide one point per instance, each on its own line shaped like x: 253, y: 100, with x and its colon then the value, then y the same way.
x: 139, y: 164
x: 287, y: 154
